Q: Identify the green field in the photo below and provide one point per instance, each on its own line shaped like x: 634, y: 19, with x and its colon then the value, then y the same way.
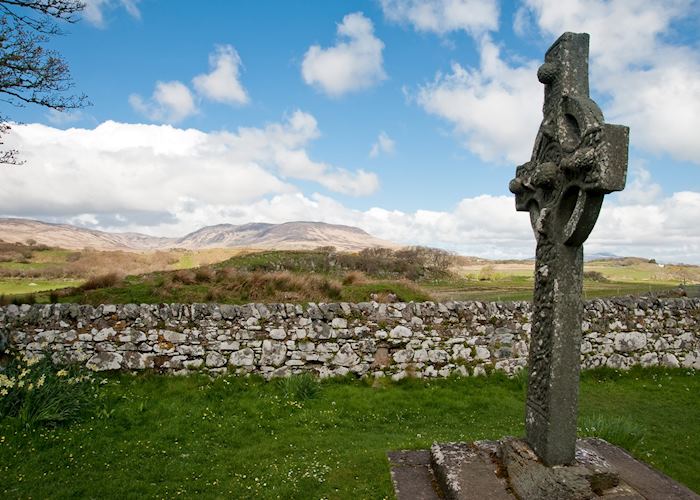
x: 18, y: 286
x: 245, y: 438
x: 323, y: 275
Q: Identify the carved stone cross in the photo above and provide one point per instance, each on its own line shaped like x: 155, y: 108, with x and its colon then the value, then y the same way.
x: 577, y: 159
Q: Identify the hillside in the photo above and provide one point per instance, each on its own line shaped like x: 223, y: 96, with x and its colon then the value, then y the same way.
x: 287, y: 236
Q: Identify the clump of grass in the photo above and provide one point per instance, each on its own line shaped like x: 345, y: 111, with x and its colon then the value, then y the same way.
x: 38, y: 393
x: 353, y: 277
x: 300, y: 387
x: 101, y: 281
x: 616, y: 430
x: 186, y: 277
x: 203, y: 275
x: 519, y: 379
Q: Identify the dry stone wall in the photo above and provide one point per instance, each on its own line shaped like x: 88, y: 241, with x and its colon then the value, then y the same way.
x: 397, y: 340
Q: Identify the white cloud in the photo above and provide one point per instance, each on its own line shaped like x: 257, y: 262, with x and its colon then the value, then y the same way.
x: 354, y: 63
x: 653, y: 85
x: 167, y: 181
x: 151, y: 170
x: 443, y: 16
x: 495, y: 109
x: 384, y: 144
x: 95, y: 10
x: 641, y: 190
x: 222, y: 84
x: 63, y: 117
x: 171, y: 102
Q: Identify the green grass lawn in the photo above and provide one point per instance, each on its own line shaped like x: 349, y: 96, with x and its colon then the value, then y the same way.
x: 519, y: 287
x: 161, y: 437
x: 15, y: 286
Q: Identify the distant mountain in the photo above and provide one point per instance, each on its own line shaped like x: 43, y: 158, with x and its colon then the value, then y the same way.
x: 599, y: 256
x: 287, y: 236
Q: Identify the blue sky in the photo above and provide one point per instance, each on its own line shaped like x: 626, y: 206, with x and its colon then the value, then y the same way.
x: 404, y: 117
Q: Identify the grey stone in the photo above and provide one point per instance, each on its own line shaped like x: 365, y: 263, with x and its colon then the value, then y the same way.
x: 669, y: 360
x: 339, y: 323
x: 244, y: 357
x: 105, y: 361
x: 273, y: 353
x: 215, y: 360
x: 174, y: 337
x: 438, y: 356
x: 400, y: 332
x: 403, y: 356
x: 630, y: 341
x: 345, y: 356
x: 482, y: 353
x: 278, y: 334
x: 103, y: 334
x: 577, y: 159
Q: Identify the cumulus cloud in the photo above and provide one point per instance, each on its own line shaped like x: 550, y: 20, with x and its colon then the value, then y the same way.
x: 384, y: 144
x: 119, y: 168
x: 641, y: 190
x: 222, y: 84
x: 495, y: 109
x: 443, y: 16
x: 354, y: 63
x: 162, y: 180
x: 95, y: 10
x: 653, y: 85
x: 171, y: 102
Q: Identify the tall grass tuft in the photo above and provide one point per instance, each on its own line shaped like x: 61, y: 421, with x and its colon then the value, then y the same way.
x: 300, y: 387
x: 616, y: 430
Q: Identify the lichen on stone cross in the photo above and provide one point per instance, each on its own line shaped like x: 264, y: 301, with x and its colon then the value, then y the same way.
x: 576, y: 160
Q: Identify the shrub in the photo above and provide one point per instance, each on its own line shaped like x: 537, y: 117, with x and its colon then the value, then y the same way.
x: 595, y: 276
x: 203, y: 275
x: 101, y: 281
x: 353, y: 277
x: 37, y: 393
x: 185, y: 277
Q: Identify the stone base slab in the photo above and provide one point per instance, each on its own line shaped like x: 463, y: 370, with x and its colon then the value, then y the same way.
x: 508, y: 469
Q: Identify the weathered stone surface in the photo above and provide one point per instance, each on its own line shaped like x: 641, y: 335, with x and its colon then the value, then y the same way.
x: 273, y: 353
x: 464, y: 471
x: 174, y: 337
x: 466, y: 328
x: 244, y: 357
x: 215, y: 360
x: 630, y: 341
x: 345, y: 356
x: 577, y: 159
x: 412, y: 475
x: 105, y: 361
x: 400, y: 332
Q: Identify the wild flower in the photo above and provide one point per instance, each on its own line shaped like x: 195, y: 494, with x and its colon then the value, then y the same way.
x: 36, y: 392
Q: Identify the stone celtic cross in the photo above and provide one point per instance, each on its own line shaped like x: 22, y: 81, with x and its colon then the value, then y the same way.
x: 577, y: 159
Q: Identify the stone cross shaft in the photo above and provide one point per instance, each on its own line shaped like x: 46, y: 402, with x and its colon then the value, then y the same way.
x: 576, y: 160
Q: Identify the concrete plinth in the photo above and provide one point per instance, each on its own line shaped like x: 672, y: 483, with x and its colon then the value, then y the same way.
x: 508, y: 469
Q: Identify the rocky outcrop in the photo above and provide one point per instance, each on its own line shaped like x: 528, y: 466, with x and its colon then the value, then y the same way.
x: 397, y: 340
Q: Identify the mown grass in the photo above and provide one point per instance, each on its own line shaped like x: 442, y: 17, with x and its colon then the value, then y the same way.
x: 15, y: 286
x: 519, y: 287
x: 236, y: 437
